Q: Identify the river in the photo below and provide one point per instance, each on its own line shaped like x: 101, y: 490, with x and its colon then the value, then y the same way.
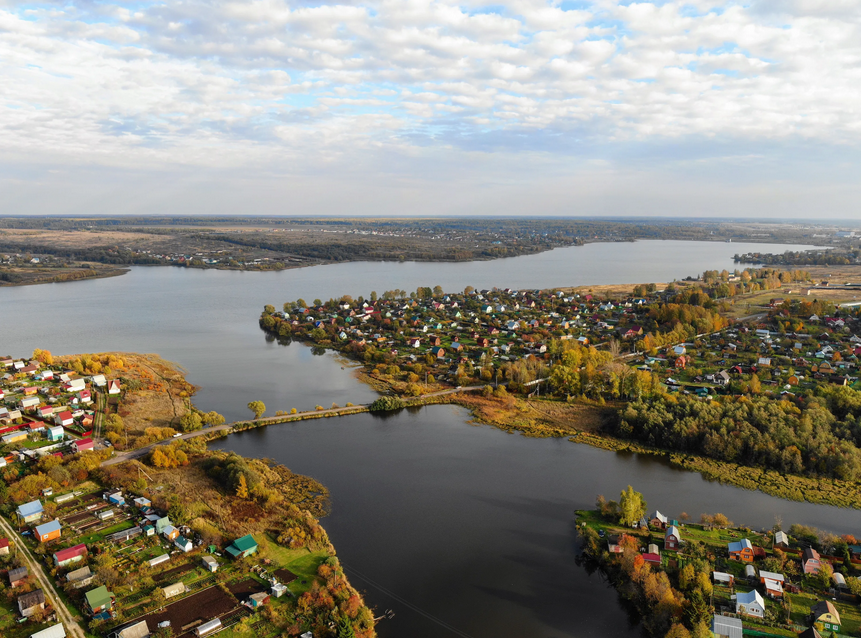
x: 468, y: 526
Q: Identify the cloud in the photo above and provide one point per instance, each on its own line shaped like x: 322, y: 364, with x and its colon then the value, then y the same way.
x: 323, y: 87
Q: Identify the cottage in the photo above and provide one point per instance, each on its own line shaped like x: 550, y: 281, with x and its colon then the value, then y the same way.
x: 98, y: 380
x: 825, y: 616
x: 741, y: 550
x: 80, y: 577
x: 114, y: 387
x: 810, y: 561
x: 726, y: 627
x: 55, y: 433
x: 143, y: 503
x: 82, y: 445
x: 773, y: 588
x: 54, y: 631
x: 47, y: 531
x: 750, y: 604
x: 658, y: 520
x: 28, y: 402
x: 161, y: 524
x: 31, y: 602
x: 4, y: 546
x: 116, y: 498
x: 672, y: 538
x: 17, y: 576
x: 30, y: 512
x: 183, y: 543
x: 71, y: 555
x: 170, y: 532
x: 99, y: 600
x: 242, y: 547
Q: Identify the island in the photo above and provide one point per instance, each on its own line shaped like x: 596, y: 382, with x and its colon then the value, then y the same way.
x: 183, y: 541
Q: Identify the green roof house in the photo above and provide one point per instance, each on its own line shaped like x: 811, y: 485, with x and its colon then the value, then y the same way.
x: 99, y: 599
x: 242, y: 547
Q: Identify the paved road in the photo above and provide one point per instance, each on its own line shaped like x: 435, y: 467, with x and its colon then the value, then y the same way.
x: 73, y: 629
x: 139, y: 452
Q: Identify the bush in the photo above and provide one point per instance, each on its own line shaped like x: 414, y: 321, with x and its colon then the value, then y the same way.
x: 387, y: 404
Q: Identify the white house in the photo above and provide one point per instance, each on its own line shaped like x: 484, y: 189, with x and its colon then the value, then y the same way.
x: 750, y: 604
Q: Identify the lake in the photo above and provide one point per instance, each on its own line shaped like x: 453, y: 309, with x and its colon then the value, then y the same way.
x: 467, y: 526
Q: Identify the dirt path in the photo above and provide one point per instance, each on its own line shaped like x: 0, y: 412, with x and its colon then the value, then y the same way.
x: 73, y: 629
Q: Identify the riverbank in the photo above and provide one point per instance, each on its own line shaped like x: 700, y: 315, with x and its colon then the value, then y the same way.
x: 11, y: 276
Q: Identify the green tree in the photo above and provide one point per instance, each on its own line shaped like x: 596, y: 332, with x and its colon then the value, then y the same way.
x: 632, y: 506
x: 190, y: 422
x: 258, y: 408
x: 345, y: 628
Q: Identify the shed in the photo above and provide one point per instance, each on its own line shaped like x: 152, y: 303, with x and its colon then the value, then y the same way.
x: 278, y: 589
x: 158, y: 560
x: 54, y: 631
x: 143, y: 503
x: 4, y: 546
x: 116, y: 498
x: 173, y: 590
x: 781, y: 539
x: 258, y: 599
x: 726, y: 627
x: 210, y: 563
x: 207, y: 627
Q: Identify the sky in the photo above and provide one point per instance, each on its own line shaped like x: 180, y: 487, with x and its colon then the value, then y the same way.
x: 524, y: 107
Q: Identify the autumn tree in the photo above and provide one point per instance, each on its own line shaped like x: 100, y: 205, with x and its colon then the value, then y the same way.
x: 258, y: 408
x: 242, y: 487
x: 632, y: 506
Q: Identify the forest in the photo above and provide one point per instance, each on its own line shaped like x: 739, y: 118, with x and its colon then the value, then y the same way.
x: 802, y: 258
x: 818, y: 437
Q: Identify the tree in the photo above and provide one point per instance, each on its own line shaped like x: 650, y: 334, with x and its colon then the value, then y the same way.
x: 258, y: 408
x: 345, y: 628
x: 242, y: 488
x: 190, y: 422
x: 632, y: 506
x: 43, y: 356
x: 212, y: 418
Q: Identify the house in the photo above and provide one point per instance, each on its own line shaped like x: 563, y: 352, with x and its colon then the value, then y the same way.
x: 183, y: 543
x: 115, y: 498
x: 810, y: 561
x: 210, y: 563
x: 55, y: 434
x: 174, y: 590
x: 64, y: 419
x: 672, y: 539
x: 258, y: 600
x: 17, y: 576
x: 85, y: 397
x: 45, y: 411
x: 726, y: 627
x: 750, y: 604
x: 658, y: 520
x: 80, y: 577
x: 438, y: 352
x: 31, y: 602
x: 773, y: 588
x: 99, y: 600
x: 82, y: 445
x: 99, y: 380
x: 722, y: 378
x: 741, y: 550
x: 613, y: 544
x: 71, y: 555
x: 781, y: 539
x: 170, y: 532
x: 114, y: 386
x: 30, y: 512
x: 28, y: 402
x: 824, y: 616
x: 54, y: 631
x: 4, y: 546
x: 278, y: 589
x: 143, y: 503
x: 242, y: 547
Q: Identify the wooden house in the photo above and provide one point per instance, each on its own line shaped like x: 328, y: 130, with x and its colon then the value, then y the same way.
x: 741, y: 550
x: 810, y: 561
x: 672, y: 538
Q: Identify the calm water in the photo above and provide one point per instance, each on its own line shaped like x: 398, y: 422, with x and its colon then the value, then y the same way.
x: 474, y: 525
x: 471, y: 525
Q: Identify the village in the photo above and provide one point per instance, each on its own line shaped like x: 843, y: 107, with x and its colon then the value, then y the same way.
x: 516, y: 337
x: 728, y: 579
x: 121, y: 549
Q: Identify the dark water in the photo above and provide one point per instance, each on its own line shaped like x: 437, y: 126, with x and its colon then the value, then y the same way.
x: 474, y: 526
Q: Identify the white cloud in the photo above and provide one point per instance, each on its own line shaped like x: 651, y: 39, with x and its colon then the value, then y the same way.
x: 235, y: 86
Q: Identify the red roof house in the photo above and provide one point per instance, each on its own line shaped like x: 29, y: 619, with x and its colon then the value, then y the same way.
x: 71, y: 555
x: 83, y: 444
